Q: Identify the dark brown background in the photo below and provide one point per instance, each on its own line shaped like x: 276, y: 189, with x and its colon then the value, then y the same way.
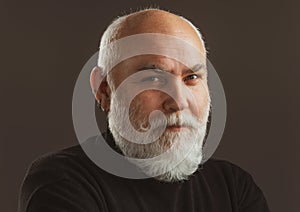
x: 253, y: 46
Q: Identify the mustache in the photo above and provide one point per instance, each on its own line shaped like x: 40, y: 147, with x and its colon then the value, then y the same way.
x: 174, y: 119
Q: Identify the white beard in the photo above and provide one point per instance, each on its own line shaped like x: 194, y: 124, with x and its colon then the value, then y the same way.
x: 174, y: 156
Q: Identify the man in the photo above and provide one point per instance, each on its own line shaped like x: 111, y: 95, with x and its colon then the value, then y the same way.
x: 157, y: 102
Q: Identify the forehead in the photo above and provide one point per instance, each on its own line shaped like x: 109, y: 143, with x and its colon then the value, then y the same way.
x: 149, y: 49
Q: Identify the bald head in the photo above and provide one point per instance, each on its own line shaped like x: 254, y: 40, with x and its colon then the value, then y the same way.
x: 154, y: 21
x: 142, y: 22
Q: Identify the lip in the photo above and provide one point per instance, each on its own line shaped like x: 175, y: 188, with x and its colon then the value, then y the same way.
x: 175, y: 127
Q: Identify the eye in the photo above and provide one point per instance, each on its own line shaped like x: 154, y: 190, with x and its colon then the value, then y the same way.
x: 156, y: 80
x: 151, y: 79
x: 192, y: 77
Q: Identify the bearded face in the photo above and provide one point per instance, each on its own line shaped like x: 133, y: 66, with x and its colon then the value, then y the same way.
x: 162, y: 134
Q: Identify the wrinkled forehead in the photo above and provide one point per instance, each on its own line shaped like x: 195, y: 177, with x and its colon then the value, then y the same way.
x: 149, y: 44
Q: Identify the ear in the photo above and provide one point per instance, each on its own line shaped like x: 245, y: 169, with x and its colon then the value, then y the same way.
x: 100, y: 88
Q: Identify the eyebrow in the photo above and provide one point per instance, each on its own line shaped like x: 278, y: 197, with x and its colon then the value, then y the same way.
x: 196, y: 68
x: 151, y: 67
x: 156, y: 68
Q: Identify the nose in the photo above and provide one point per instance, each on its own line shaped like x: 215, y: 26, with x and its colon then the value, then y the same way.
x: 177, y: 98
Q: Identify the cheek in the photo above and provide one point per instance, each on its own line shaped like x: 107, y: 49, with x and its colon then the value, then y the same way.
x: 200, y: 103
x: 144, y: 103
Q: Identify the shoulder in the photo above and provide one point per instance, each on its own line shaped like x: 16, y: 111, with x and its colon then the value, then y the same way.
x: 51, y: 167
x: 238, y: 181
x: 56, y: 176
x: 58, y: 163
x: 225, y: 171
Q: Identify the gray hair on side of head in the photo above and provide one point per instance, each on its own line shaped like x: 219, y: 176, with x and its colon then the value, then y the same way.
x: 112, y: 30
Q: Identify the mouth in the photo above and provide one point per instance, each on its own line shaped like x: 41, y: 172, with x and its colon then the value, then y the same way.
x: 176, y: 127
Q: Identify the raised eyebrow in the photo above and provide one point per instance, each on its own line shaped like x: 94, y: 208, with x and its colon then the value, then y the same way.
x: 154, y: 68
x: 195, y: 69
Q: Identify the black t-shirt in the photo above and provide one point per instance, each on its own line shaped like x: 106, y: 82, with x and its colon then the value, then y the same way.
x: 69, y: 181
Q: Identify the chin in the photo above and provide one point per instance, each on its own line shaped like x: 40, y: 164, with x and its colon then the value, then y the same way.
x: 173, y: 157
